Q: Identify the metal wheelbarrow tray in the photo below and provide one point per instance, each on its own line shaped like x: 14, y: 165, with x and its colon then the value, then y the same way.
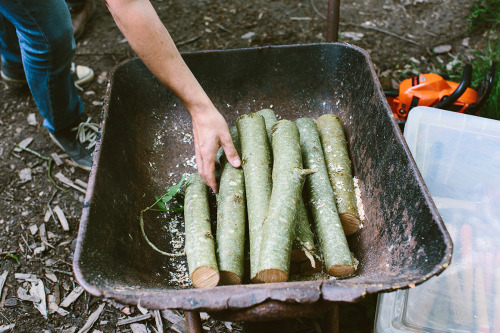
x: 146, y: 146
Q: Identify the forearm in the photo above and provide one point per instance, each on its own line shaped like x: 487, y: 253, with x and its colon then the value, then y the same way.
x: 149, y: 38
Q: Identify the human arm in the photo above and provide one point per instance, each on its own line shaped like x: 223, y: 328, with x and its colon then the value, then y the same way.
x: 139, y: 22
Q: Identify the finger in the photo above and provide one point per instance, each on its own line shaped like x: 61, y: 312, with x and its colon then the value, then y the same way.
x: 230, y: 151
x: 210, y: 176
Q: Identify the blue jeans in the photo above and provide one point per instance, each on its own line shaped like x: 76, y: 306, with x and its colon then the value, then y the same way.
x: 36, y: 41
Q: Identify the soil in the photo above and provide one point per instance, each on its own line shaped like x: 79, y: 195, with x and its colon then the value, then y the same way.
x: 398, y: 34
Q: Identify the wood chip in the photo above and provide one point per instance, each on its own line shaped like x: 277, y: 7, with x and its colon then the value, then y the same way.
x: 26, y: 277
x: 47, y: 216
x: 178, y: 322
x: 53, y: 307
x: 73, y: 296
x: 92, y: 319
x: 51, y: 276
x: 158, y: 321
x: 25, y: 143
x: 33, y: 229
x: 3, y: 278
x: 22, y: 294
x: 81, y: 183
x: 69, y: 330
x: 66, y: 181
x: 138, y: 328
x: 133, y: 319
x: 57, y: 159
x: 38, y: 290
x: 6, y: 328
x: 62, y: 218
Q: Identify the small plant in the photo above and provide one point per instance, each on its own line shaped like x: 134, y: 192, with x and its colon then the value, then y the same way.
x: 13, y: 257
x: 163, y: 206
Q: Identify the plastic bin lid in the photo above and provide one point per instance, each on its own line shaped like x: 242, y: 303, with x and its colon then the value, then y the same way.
x: 458, y: 156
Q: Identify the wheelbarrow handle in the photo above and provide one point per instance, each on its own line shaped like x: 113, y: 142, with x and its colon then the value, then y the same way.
x: 332, y: 21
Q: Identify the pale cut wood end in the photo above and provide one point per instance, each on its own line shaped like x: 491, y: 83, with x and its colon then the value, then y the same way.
x: 350, y: 223
x: 271, y: 275
x: 341, y: 270
x: 205, y: 277
x: 229, y: 278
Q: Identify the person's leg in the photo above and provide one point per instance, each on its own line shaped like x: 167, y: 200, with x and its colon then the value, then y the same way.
x: 81, y: 12
x: 47, y: 46
x: 12, y: 63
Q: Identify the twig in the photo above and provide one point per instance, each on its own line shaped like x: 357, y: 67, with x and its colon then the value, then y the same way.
x: 382, y: 31
x: 187, y: 41
x: 317, y: 11
x: 141, y: 219
x: 220, y: 26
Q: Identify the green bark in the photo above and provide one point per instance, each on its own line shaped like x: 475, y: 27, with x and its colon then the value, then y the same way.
x: 279, y: 226
x: 269, y: 119
x: 338, y: 164
x: 231, y: 219
x: 199, y: 247
x: 256, y: 164
x: 321, y: 202
x: 304, y: 237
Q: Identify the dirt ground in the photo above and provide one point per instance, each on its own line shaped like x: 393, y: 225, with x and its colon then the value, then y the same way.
x: 399, y: 34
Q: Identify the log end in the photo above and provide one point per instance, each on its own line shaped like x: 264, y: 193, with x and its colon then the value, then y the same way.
x: 341, y: 270
x: 350, y: 223
x: 228, y: 278
x: 205, y: 277
x: 271, y: 275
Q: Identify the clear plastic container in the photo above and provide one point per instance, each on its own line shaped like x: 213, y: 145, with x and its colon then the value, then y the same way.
x: 459, y: 158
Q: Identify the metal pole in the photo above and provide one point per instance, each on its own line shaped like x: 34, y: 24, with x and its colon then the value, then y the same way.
x: 332, y: 21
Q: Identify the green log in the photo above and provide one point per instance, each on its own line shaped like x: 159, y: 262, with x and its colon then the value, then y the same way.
x: 231, y: 220
x: 305, y: 255
x: 199, y: 247
x: 321, y: 202
x: 338, y: 164
x: 278, y: 230
x: 304, y: 249
x: 256, y: 164
x: 269, y: 119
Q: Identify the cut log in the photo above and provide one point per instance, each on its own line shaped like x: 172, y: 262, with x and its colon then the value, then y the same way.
x: 338, y: 164
x: 231, y: 220
x: 199, y: 248
x: 304, y: 251
x: 256, y: 164
x: 278, y: 231
x: 321, y: 202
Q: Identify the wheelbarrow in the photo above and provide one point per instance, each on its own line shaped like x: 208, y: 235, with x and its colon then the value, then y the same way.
x: 145, y: 146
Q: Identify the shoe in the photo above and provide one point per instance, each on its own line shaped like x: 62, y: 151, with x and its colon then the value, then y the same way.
x: 81, y: 75
x: 78, y: 141
x: 11, y: 77
x: 80, y: 17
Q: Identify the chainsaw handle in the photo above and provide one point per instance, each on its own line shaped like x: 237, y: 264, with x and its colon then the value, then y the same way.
x: 464, y: 84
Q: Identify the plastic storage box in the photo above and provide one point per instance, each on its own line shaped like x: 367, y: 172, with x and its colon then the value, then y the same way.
x: 459, y: 158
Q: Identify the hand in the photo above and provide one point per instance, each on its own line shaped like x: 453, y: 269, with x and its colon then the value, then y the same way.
x: 211, y: 132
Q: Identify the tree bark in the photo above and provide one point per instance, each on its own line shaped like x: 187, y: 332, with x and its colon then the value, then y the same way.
x: 199, y: 248
x: 321, y: 202
x: 338, y: 164
x: 231, y: 220
x: 279, y: 226
x: 256, y: 164
x: 304, y: 251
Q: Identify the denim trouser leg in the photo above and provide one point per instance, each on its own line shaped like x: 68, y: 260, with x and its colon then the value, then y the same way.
x: 44, y: 37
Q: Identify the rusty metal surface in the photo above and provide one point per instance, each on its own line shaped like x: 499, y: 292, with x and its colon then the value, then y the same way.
x: 145, y: 148
x: 273, y: 310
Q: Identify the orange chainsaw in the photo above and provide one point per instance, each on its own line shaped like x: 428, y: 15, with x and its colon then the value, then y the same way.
x: 434, y: 91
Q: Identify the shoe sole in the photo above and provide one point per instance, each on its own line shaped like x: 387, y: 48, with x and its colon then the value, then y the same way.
x: 83, y: 167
